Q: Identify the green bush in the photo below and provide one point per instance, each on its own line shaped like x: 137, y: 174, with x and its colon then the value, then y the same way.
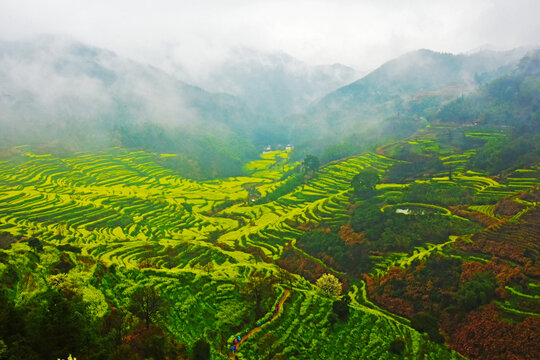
x: 397, y: 346
x: 478, y: 291
x: 341, y: 309
x: 201, y: 350
x: 429, y: 324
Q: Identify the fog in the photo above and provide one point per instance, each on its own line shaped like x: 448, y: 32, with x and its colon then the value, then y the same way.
x: 200, y: 35
x: 79, y: 70
x: 52, y: 86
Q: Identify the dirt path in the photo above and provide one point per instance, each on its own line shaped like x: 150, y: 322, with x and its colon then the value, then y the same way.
x: 253, y: 331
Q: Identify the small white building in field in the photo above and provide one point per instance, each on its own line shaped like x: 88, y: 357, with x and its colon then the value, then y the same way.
x: 403, y: 211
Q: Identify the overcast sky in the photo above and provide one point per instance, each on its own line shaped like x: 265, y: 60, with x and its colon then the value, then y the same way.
x: 362, y: 34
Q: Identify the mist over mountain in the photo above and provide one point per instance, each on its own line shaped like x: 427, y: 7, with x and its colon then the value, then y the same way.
x: 402, y: 90
x: 274, y: 83
x: 63, y: 94
x: 54, y: 84
x: 512, y: 100
x: 270, y: 180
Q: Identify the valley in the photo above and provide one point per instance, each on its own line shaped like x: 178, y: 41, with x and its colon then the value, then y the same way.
x: 142, y: 217
x: 200, y: 243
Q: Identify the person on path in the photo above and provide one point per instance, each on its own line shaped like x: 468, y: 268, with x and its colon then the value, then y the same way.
x: 236, y: 341
x: 259, y: 324
x: 239, y: 338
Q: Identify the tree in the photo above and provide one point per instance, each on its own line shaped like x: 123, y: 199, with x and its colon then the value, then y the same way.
x: 429, y: 324
x: 3, y: 350
x: 208, y: 267
x: 285, y: 277
x: 341, y: 309
x: 397, y: 346
x: 115, y: 327
x: 329, y: 284
x: 311, y: 163
x: 478, y: 291
x: 364, y: 183
x: 258, y: 287
x: 6, y: 239
x: 146, y: 303
x: 369, y: 218
x: 201, y: 350
x: 57, y: 326
x: 61, y: 230
x: 155, y: 347
x: 35, y: 244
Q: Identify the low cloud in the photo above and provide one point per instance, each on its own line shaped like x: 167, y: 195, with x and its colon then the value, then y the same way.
x: 53, y: 84
x: 361, y: 34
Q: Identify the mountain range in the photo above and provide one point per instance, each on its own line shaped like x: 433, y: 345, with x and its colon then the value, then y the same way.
x: 274, y: 83
x: 414, y: 84
x: 64, y: 94
x: 144, y: 217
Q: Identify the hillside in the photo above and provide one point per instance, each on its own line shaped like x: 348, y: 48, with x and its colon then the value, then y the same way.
x: 388, y: 102
x: 67, y: 96
x: 110, y: 222
x: 511, y: 100
x: 423, y: 247
x: 272, y: 83
x: 120, y: 215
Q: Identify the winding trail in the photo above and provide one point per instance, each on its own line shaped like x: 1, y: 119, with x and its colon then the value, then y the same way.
x: 258, y: 328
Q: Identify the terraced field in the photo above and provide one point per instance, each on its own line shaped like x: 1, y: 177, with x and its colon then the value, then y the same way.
x: 404, y: 260
x: 272, y: 165
x: 302, y: 332
x: 458, y: 162
x: 126, y: 208
x: 269, y: 226
x: 487, y: 188
x: 485, y: 135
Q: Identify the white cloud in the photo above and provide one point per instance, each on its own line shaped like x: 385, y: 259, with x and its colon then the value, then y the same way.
x: 362, y: 34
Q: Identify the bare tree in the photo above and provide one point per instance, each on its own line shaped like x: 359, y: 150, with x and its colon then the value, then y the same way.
x: 208, y: 267
x: 146, y: 303
x: 258, y: 287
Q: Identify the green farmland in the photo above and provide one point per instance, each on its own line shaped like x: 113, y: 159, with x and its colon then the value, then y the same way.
x: 124, y: 209
x: 126, y: 216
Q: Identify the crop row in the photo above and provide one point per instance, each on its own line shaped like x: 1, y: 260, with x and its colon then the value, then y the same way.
x: 303, y: 331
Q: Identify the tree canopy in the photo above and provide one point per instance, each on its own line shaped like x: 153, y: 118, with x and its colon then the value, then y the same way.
x: 329, y: 284
x: 201, y: 350
x: 364, y: 183
x: 147, y: 303
x: 311, y: 163
x: 478, y: 291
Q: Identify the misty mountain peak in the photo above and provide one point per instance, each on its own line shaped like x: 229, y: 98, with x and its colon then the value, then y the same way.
x: 275, y: 83
x: 58, y: 83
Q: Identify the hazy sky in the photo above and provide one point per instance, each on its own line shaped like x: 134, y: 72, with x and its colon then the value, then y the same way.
x: 362, y: 34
